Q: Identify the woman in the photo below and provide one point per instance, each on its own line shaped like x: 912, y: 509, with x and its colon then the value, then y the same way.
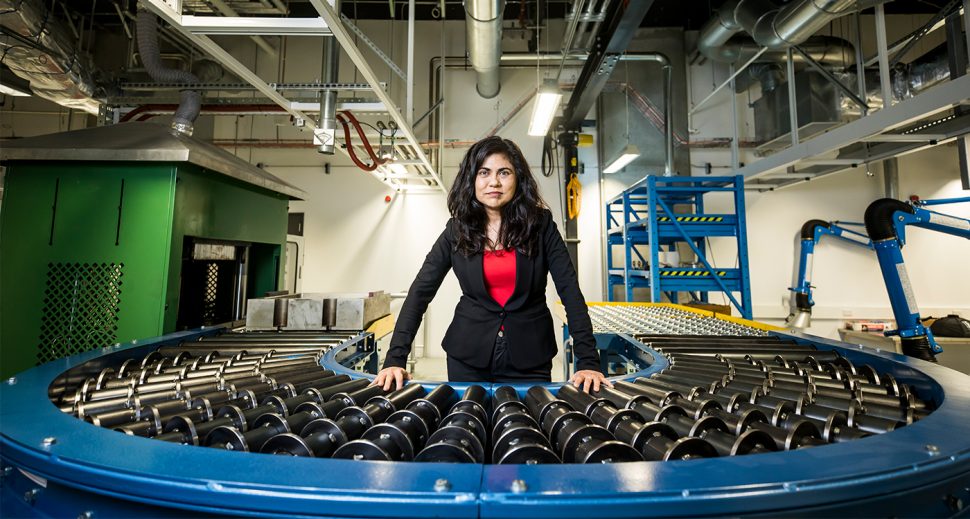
x: 502, y: 243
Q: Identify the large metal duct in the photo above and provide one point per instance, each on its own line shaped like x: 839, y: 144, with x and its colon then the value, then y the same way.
x: 483, y: 26
x: 42, y: 52
x: 769, y: 26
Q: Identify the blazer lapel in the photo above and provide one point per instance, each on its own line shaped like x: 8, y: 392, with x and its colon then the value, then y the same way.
x: 523, y: 278
x: 477, y: 265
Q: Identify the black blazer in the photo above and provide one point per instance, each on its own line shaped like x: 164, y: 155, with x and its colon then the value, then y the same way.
x: 478, y: 317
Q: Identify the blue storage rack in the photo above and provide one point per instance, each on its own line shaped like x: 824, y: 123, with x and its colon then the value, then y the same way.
x: 643, y: 215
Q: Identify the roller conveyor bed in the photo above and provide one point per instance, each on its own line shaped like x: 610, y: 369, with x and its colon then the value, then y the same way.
x: 716, y: 417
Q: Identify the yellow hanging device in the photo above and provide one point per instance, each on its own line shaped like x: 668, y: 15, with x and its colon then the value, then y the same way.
x: 574, y: 196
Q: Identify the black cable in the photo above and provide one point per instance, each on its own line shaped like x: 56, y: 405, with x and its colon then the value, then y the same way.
x: 548, y: 156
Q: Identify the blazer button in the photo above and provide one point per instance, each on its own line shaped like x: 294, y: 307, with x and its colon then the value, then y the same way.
x: 502, y: 314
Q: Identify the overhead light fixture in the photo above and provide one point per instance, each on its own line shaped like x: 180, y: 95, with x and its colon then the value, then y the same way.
x: 627, y: 155
x: 545, y: 108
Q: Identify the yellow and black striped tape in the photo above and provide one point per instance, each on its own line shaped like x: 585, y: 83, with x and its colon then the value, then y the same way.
x: 690, y: 273
x: 693, y: 219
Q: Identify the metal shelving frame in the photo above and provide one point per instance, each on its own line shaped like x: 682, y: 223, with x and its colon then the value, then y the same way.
x: 643, y: 214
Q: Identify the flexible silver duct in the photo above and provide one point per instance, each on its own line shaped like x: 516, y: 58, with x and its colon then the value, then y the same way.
x: 47, y: 56
x: 190, y: 100
x: 907, y: 80
x: 483, y: 27
x: 768, y: 25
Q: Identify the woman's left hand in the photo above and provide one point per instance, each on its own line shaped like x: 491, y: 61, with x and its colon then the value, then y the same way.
x: 590, y: 378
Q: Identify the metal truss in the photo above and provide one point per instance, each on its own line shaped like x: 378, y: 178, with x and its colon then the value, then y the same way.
x: 195, y: 28
x: 883, y: 126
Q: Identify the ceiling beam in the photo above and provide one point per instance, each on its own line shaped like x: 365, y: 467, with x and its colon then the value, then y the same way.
x: 613, y: 40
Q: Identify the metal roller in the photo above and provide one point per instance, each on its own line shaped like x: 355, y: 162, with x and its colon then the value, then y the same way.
x: 573, y: 434
x: 454, y: 442
x: 516, y: 436
x: 663, y: 444
x: 324, y: 436
x: 461, y: 437
x: 659, y: 396
x: 404, y: 433
x: 509, y: 412
x: 639, y: 403
x: 523, y: 445
x: 801, y: 433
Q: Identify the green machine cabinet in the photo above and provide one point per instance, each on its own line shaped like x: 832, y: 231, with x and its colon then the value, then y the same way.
x: 100, y: 233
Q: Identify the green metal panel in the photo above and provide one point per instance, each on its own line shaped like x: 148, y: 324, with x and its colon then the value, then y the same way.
x: 265, y: 266
x: 213, y: 206
x: 68, y: 228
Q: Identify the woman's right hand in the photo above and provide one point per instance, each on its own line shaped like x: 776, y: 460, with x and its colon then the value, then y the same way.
x: 392, y: 376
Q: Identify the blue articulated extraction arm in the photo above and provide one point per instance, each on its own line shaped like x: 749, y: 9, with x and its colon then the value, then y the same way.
x: 886, y: 221
x: 813, y: 231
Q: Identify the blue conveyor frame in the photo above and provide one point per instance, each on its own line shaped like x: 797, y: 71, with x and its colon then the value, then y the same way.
x: 90, y: 469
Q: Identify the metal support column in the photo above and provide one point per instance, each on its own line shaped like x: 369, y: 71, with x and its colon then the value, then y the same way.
x: 957, y: 56
x: 883, y: 53
x: 569, y: 143
x: 735, y: 145
x: 409, y: 103
x: 890, y: 178
x: 792, y: 101
x: 860, y: 66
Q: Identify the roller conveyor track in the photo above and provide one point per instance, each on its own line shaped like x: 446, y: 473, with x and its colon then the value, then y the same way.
x: 706, y: 400
x: 719, y: 396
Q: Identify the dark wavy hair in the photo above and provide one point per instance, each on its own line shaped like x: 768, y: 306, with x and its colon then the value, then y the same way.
x: 520, y: 217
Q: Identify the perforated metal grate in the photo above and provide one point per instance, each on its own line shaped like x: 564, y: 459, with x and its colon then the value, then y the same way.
x: 211, y: 298
x: 81, y: 305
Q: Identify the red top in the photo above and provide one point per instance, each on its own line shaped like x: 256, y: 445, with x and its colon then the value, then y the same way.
x: 499, y: 267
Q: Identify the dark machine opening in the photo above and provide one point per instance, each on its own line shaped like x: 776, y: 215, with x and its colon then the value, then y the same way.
x: 213, y: 282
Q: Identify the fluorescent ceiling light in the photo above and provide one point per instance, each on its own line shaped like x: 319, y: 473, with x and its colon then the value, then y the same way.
x: 11, y: 91
x: 629, y: 153
x: 545, y: 108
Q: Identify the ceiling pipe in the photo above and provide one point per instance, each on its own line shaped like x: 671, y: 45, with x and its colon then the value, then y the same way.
x: 483, y: 27
x: 769, y: 26
x: 327, y: 133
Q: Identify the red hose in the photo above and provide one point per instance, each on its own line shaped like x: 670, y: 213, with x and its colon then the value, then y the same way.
x: 360, y: 133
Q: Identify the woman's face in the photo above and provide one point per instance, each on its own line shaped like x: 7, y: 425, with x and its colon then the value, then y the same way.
x: 495, y: 182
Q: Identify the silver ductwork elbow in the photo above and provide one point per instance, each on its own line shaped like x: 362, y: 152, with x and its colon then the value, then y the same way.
x: 715, y: 34
x: 54, y: 66
x: 483, y: 27
x: 769, y: 26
